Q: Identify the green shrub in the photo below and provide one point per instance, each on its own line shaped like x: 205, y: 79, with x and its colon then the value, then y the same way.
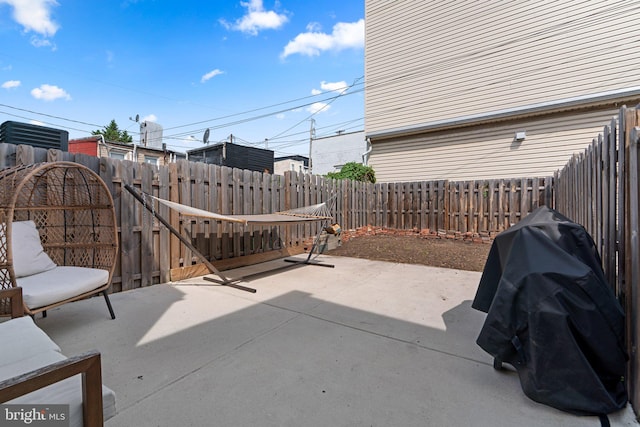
x: 355, y: 172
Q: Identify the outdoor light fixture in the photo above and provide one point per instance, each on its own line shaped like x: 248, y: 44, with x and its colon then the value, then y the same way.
x: 520, y: 136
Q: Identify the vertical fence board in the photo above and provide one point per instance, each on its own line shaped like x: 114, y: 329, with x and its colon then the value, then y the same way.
x: 226, y: 182
x: 174, y: 217
x: 164, y: 234
x: 525, y: 197
x: 236, y: 208
x: 247, y: 208
x: 598, y: 188
x: 613, y: 185
x: 470, y: 206
x: 215, y: 248
x: 147, y: 259
x: 127, y: 211
x: 184, y: 182
x: 633, y: 256
x: 199, y: 198
x: 491, y: 205
x: 631, y: 244
x: 443, y: 207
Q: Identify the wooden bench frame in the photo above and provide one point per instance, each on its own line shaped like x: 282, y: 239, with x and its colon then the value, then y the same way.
x: 87, y: 364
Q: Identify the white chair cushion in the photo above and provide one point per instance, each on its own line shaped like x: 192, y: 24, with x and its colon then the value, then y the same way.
x: 60, y: 284
x: 28, y: 255
x: 27, y: 364
x: 21, y: 339
x: 68, y: 391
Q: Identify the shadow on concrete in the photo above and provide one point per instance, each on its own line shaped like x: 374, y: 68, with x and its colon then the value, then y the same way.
x: 360, y: 355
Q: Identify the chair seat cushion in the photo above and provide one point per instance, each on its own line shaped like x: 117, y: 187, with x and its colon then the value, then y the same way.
x: 21, y: 339
x: 59, y: 284
x: 65, y: 392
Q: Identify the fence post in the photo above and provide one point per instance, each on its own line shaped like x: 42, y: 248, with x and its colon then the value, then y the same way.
x: 287, y: 206
x: 632, y: 259
x: 613, y: 182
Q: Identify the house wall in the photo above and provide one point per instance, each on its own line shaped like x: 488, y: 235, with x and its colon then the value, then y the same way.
x: 329, y: 154
x: 432, y: 61
x: 488, y: 151
x: 234, y: 156
x: 105, y: 150
x: 89, y: 148
x: 286, y: 165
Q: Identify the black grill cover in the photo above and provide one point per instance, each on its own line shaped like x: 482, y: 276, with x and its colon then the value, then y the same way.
x: 552, y: 316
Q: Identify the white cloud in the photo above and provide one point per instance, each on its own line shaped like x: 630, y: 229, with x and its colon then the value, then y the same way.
x: 211, y: 74
x: 314, y: 27
x: 49, y: 93
x: 42, y: 42
x: 34, y: 15
x: 338, y: 87
x: 36, y: 122
x: 345, y: 35
x: 10, y: 84
x: 150, y: 118
x: 280, y: 116
x: 316, y: 91
x: 256, y: 19
x: 318, y: 107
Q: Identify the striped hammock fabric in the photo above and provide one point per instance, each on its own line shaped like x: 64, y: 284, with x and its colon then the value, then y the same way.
x: 319, y: 212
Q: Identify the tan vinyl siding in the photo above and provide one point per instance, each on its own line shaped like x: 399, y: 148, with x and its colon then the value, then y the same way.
x: 428, y: 61
x: 490, y: 151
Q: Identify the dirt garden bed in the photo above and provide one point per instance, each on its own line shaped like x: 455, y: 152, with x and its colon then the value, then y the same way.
x: 454, y: 250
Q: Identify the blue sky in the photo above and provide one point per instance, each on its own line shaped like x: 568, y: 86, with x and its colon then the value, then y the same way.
x: 256, y: 69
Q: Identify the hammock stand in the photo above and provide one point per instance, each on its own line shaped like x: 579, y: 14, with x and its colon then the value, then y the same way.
x: 281, y: 218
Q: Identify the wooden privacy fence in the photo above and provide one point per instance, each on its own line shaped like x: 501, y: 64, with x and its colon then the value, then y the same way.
x: 149, y: 254
x: 483, y: 206
x: 600, y: 189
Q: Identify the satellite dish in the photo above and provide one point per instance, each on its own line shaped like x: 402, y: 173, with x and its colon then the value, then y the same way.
x: 205, y: 138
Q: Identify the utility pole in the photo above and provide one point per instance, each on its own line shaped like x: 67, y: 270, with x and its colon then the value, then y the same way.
x: 312, y: 135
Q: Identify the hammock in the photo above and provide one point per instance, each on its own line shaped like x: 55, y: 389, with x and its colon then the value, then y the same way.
x: 319, y: 212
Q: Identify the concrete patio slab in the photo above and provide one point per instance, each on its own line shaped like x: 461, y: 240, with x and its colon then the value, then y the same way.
x: 366, y: 343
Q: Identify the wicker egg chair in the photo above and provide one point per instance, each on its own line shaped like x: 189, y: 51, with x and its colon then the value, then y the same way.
x: 74, y: 216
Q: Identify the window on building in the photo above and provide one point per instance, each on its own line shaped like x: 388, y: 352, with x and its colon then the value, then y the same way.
x: 117, y: 155
x: 151, y: 159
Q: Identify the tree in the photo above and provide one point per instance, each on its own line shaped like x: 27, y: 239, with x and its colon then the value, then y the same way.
x: 356, y: 172
x: 112, y: 133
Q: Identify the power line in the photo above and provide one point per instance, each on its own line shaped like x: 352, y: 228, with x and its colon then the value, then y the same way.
x: 323, y: 107
x: 562, y: 28
x: 262, y: 116
x: 46, y: 123
x: 260, y: 109
x: 49, y: 115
